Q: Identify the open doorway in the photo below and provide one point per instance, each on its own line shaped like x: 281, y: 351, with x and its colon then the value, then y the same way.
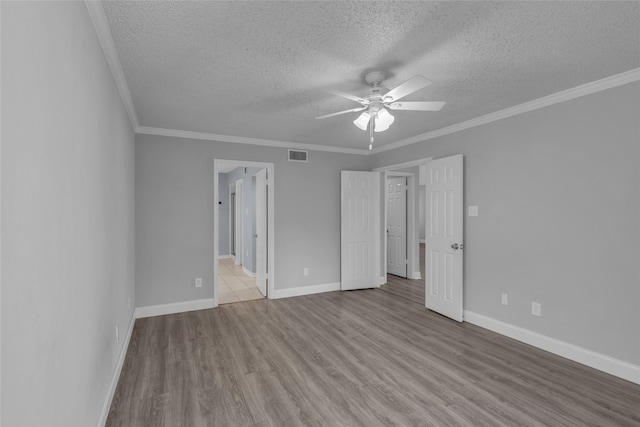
x: 402, y: 253
x: 243, y: 242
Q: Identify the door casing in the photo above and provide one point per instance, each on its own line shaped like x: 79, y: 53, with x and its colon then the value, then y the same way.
x: 223, y: 163
x: 413, y: 248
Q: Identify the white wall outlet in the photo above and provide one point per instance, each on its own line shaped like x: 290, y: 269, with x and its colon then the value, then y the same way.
x: 198, y: 282
x: 505, y: 299
x: 305, y: 271
x: 536, y: 309
x: 472, y: 211
x: 117, y: 334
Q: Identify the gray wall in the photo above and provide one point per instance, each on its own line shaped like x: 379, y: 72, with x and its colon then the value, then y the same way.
x: 174, y: 213
x: 67, y: 217
x: 558, y: 191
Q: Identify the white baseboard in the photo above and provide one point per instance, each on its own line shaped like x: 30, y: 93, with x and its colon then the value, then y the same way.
x: 422, y: 241
x: 610, y: 365
x: 247, y: 272
x: 416, y: 275
x: 306, y: 290
x: 225, y: 256
x: 382, y: 280
x: 116, y: 375
x: 176, y: 307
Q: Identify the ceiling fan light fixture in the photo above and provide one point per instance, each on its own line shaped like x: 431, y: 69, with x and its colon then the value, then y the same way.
x: 383, y: 120
x: 363, y: 120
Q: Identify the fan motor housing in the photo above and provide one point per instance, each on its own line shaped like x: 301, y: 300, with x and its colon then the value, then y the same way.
x: 376, y: 92
x: 374, y: 77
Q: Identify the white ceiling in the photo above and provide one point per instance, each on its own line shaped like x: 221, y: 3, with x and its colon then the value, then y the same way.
x: 262, y: 69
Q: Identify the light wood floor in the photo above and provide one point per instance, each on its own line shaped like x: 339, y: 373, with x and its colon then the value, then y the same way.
x: 234, y: 285
x: 358, y: 358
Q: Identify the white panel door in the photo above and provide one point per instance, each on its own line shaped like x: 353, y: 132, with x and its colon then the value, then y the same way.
x: 443, y: 236
x: 396, y: 195
x: 261, y: 231
x: 360, y: 230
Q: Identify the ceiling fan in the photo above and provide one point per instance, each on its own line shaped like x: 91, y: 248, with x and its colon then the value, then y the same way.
x: 378, y: 99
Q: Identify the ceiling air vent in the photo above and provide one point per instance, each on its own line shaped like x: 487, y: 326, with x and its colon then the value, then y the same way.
x: 298, y: 156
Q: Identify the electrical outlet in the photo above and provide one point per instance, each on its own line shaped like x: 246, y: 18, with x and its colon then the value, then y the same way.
x: 505, y: 299
x: 536, y: 309
x: 305, y: 271
x: 198, y: 282
x: 117, y: 334
x: 472, y: 211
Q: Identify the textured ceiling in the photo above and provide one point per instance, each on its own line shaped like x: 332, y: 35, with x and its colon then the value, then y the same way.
x: 262, y: 69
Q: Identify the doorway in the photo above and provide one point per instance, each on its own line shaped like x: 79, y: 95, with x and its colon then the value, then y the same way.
x: 405, y: 282
x: 244, y: 258
x: 396, y: 225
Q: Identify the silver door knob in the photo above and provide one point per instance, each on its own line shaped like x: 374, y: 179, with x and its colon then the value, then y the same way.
x: 455, y: 246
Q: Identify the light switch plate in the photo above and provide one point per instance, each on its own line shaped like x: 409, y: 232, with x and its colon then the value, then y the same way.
x: 473, y: 211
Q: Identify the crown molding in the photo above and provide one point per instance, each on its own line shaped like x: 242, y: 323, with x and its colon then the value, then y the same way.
x: 96, y: 12
x: 566, y: 95
x: 242, y: 140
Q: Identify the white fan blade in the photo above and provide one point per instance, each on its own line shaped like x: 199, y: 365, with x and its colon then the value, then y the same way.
x: 417, y: 106
x: 353, y: 110
x: 351, y: 97
x: 413, y: 84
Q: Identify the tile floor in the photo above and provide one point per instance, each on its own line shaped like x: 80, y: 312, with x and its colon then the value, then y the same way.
x: 233, y: 284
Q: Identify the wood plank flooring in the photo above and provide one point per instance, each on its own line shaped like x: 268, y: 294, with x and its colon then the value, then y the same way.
x: 358, y: 358
x: 412, y: 290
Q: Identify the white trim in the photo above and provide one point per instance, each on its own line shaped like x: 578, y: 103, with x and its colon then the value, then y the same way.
x: 423, y: 241
x: 96, y: 12
x: 176, y: 307
x: 225, y: 256
x: 382, y: 280
x: 610, y: 365
x: 416, y: 275
x: 306, y: 290
x: 565, y: 95
x: 247, y: 272
x: 243, y: 140
x: 116, y: 374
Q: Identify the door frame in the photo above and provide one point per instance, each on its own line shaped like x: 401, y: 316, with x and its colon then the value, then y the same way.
x: 413, y: 244
x: 260, y: 235
x: 217, y: 165
x: 238, y: 229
